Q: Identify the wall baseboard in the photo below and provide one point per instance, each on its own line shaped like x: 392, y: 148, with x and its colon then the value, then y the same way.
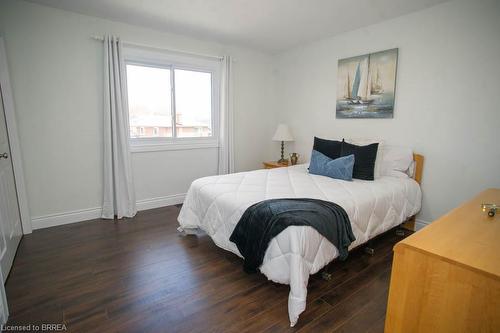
x: 168, y: 200
x: 52, y: 220
x: 419, y: 224
x: 81, y: 215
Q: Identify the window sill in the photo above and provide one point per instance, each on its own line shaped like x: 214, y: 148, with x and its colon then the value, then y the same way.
x: 150, y: 147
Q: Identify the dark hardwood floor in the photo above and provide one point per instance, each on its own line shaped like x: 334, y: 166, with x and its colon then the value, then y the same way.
x: 140, y: 275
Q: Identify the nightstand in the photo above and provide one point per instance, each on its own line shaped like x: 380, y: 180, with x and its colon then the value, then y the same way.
x: 272, y: 165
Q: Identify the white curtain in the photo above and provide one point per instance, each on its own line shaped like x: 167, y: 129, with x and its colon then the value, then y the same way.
x: 226, y: 140
x: 119, y: 193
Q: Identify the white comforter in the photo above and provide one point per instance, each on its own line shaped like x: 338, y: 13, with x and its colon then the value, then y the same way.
x: 215, y: 205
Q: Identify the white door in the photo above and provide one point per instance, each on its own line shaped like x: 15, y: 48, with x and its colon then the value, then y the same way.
x: 4, y: 308
x: 10, y: 220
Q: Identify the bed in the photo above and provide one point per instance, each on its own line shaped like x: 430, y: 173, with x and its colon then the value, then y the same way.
x: 215, y: 205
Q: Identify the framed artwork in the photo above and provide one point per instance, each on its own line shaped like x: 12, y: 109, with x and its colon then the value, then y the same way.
x: 366, y: 85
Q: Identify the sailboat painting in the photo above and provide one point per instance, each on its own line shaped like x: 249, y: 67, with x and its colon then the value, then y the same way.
x: 366, y: 85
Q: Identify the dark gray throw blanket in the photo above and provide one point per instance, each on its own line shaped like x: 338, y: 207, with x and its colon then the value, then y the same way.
x: 264, y: 220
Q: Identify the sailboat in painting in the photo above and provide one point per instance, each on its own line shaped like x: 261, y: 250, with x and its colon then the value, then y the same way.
x: 366, y: 85
x: 376, y: 85
x: 359, y: 93
x: 348, y: 90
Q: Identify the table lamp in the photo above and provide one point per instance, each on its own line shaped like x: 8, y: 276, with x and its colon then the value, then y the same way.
x: 282, y: 134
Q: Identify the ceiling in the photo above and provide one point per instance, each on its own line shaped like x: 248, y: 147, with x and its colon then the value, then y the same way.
x: 268, y: 25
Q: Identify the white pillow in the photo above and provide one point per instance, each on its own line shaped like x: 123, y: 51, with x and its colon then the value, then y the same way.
x: 396, y: 161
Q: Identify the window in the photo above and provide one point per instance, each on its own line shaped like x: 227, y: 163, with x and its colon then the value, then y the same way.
x: 173, y: 101
x: 149, y: 100
x: 193, y: 100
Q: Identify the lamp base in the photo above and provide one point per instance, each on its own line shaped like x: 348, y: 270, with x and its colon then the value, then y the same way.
x: 282, y: 159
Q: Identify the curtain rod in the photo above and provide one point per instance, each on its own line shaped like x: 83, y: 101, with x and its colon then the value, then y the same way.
x: 199, y: 55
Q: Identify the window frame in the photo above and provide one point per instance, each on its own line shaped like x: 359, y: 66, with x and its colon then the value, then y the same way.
x: 171, y: 61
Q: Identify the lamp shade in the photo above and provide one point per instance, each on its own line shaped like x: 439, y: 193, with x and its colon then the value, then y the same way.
x: 283, y: 133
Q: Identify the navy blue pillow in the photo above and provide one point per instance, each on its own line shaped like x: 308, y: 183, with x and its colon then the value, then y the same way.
x: 365, y: 159
x: 330, y: 148
x: 339, y: 168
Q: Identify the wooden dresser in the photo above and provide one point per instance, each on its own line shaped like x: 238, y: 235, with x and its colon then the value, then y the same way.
x: 446, y: 277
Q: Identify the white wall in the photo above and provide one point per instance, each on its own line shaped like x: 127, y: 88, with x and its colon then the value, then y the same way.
x: 446, y: 107
x: 446, y: 103
x: 56, y: 74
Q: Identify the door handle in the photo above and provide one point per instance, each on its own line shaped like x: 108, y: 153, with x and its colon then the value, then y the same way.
x: 4, y: 155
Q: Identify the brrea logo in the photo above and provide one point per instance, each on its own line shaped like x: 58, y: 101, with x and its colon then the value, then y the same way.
x: 35, y: 328
x: 53, y: 327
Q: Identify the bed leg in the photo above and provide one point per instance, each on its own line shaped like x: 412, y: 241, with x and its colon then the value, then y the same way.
x: 409, y: 224
x: 369, y: 250
x: 400, y: 232
x: 185, y: 232
x: 326, y: 276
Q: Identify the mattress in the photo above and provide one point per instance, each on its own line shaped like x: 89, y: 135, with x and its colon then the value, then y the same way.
x: 215, y: 205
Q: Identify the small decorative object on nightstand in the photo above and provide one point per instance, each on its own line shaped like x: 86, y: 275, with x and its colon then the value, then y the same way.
x: 272, y: 165
x: 294, y: 158
x: 282, y: 134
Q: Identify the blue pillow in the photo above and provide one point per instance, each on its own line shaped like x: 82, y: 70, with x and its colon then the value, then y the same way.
x: 339, y: 168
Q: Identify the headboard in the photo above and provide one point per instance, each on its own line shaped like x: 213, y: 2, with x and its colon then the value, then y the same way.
x: 419, y: 166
